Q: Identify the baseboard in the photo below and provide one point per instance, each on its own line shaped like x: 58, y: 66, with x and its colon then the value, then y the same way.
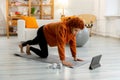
x: 108, y: 36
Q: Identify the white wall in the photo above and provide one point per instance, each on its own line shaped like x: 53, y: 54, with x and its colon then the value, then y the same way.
x: 75, y: 7
x: 3, y: 7
x: 108, y: 22
x: 111, y: 10
x: 2, y: 17
x: 112, y: 7
x: 99, y: 11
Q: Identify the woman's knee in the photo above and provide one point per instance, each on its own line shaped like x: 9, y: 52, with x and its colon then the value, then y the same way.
x: 44, y: 56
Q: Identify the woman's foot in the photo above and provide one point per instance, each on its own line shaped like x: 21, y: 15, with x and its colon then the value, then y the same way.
x: 28, y: 49
x: 21, y: 48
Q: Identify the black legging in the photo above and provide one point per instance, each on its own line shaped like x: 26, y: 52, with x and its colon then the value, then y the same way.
x: 41, y: 41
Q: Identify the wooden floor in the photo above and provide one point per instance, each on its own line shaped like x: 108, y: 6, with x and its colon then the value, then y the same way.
x: 17, y: 68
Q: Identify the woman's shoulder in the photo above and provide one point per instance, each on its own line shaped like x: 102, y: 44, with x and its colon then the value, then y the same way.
x: 61, y: 25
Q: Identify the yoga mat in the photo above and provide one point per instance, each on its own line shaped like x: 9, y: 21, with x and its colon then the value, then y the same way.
x: 52, y: 59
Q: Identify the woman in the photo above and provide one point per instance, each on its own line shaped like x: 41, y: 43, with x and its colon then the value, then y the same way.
x: 56, y: 34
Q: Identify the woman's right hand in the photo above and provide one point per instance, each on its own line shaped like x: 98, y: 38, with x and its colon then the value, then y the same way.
x: 68, y: 64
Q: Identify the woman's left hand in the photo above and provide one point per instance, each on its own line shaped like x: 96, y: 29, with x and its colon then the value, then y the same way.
x: 77, y: 59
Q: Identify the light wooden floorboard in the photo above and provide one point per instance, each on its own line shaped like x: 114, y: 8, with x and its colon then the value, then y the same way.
x: 17, y: 68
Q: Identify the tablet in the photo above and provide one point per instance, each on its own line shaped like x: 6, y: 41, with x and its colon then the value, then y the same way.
x: 95, y: 62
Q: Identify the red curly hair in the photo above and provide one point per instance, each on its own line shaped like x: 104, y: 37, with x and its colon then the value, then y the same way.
x: 75, y: 22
